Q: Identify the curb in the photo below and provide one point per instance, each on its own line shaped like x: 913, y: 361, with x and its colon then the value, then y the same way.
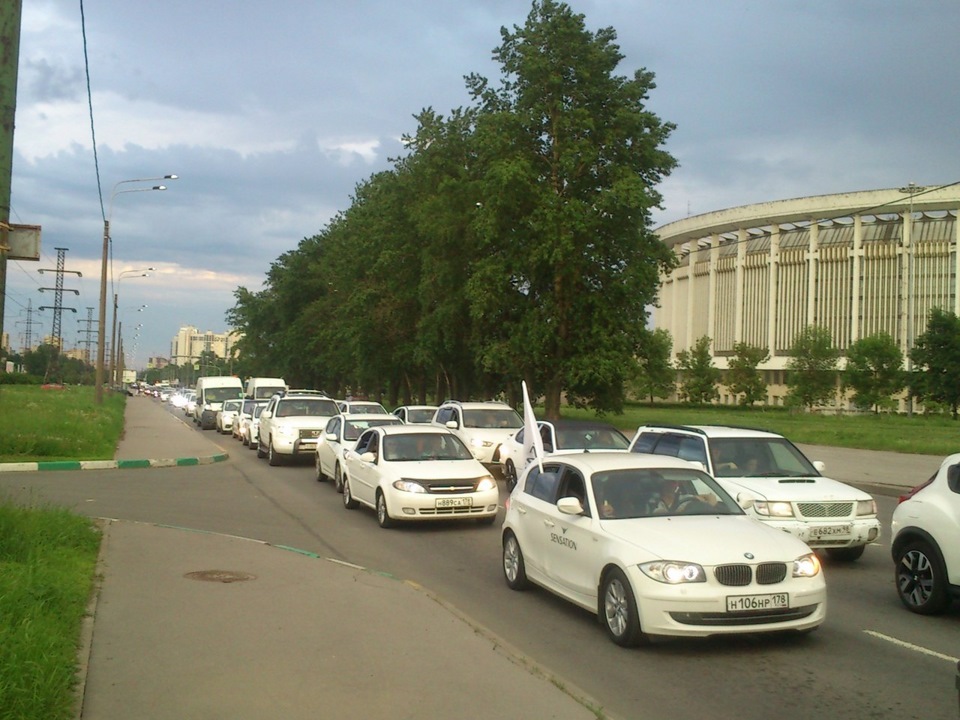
x: 110, y: 464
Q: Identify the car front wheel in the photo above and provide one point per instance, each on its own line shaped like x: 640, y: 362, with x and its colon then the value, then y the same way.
x: 921, y: 578
x: 383, y: 515
x: 261, y: 453
x: 619, y: 610
x: 514, y: 571
x: 273, y: 457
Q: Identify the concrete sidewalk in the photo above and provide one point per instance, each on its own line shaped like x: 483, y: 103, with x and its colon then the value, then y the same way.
x: 189, y: 624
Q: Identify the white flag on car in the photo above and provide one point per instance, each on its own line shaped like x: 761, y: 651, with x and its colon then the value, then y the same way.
x: 532, y: 442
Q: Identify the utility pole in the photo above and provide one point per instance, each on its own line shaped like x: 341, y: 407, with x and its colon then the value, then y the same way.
x: 57, y: 306
x: 9, y: 62
x: 87, y: 341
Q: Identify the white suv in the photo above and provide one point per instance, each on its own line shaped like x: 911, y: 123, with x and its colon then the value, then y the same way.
x: 774, y: 482
x: 483, y: 426
x: 926, y: 541
x: 290, y: 425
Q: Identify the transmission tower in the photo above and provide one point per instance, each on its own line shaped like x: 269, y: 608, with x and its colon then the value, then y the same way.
x: 87, y: 332
x: 29, y: 322
x: 57, y: 306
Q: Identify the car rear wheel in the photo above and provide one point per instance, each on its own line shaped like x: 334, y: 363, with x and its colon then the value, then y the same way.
x: 619, y: 610
x: 846, y: 554
x: 348, y: 502
x: 921, y: 578
x: 514, y: 571
x: 261, y: 453
x: 510, y: 474
x: 383, y: 515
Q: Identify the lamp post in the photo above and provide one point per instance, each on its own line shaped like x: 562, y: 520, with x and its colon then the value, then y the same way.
x: 98, y: 389
x: 144, y: 272
x: 911, y: 189
x: 116, y: 360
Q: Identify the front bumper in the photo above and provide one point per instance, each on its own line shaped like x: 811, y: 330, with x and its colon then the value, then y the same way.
x: 834, y: 533
x: 434, y: 506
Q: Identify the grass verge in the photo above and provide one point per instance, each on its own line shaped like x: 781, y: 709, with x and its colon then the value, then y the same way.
x: 50, y: 425
x: 48, y: 559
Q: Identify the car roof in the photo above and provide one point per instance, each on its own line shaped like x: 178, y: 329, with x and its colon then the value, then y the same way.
x: 565, y: 424
x: 402, y: 429
x: 599, y: 461
x: 472, y: 405
x: 715, y: 431
x: 418, y: 407
x: 388, y: 417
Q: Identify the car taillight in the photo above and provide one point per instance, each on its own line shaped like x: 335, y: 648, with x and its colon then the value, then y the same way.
x: 913, y: 491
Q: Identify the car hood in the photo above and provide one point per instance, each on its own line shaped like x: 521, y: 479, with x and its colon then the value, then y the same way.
x: 439, y: 469
x: 707, y: 539
x: 302, y: 421
x: 815, y: 489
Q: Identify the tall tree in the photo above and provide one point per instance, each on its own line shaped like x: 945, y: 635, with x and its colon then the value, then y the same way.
x: 936, y: 353
x: 874, y: 372
x: 566, y: 262
x: 743, y: 377
x: 698, y: 376
x: 812, y: 368
x: 655, y: 376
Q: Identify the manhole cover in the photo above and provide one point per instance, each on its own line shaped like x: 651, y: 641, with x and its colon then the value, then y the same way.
x: 223, y: 576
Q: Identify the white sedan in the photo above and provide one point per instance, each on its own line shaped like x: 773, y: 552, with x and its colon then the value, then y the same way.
x: 340, y: 435
x: 413, y: 472
x: 654, y: 546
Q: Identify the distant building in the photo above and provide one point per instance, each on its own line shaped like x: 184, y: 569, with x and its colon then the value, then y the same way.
x: 5, y: 342
x: 190, y: 342
x: 157, y: 363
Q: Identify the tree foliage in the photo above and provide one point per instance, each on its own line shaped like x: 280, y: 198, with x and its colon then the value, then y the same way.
x: 874, y: 372
x: 743, y: 378
x: 936, y: 352
x: 698, y: 376
x: 812, y: 368
x: 655, y: 376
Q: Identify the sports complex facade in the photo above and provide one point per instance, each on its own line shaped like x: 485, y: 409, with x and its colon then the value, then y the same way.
x: 857, y: 263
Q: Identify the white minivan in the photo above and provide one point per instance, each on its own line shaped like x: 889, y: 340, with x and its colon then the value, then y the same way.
x: 264, y: 388
x: 211, y: 392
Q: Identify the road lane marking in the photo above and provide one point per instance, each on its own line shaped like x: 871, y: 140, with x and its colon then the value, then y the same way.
x: 911, y: 646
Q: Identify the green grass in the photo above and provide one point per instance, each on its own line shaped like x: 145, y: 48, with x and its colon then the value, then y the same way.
x: 37, y: 424
x: 923, y: 434
x: 47, y: 563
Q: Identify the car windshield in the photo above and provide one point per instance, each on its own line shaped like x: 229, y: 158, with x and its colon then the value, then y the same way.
x: 371, y: 408
x: 419, y: 415
x: 424, y: 446
x: 231, y: 405
x: 219, y: 394
x: 774, y: 457
x: 645, y: 492
x: 318, y: 407
x: 353, y: 428
x: 591, y: 439
x: 492, y: 418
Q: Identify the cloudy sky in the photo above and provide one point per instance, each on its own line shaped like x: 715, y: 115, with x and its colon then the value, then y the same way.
x: 271, y: 111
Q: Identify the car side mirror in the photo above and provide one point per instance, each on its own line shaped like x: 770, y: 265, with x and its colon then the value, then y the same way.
x: 819, y: 466
x: 953, y: 478
x: 331, y: 436
x: 746, y: 500
x: 265, y: 414
x: 452, y: 424
x: 570, y: 506
x: 368, y: 457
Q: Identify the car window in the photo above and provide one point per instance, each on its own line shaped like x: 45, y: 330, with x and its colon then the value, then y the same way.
x: 415, y: 415
x: 572, y: 485
x: 492, y: 418
x: 543, y: 485
x: 646, y: 442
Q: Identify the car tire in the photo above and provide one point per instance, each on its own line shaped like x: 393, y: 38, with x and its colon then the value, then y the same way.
x: 510, y: 475
x: 261, y: 453
x: 383, y: 513
x: 921, y: 578
x: 337, y: 478
x: 846, y: 554
x: 348, y: 502
x: 618, y: 609
x: 514, y: 570
x: 319, y: 471
x: 273, y: 457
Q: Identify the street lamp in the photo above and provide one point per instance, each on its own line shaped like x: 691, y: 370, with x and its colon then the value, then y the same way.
x: 143, y: 272
x: 116, y: 359
x: 911, y: 189
x: 98, y: 390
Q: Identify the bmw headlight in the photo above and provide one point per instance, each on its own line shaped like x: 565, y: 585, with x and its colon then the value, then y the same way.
x: 866, y: 507
x: 487, y: 483
x: 673, y: 572
x: 806, y: 566
x: 768, y: 508
x: 411, y: 486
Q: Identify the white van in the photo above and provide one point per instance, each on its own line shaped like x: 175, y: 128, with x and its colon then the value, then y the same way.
x: 211, y: 392
x: 259, y: 388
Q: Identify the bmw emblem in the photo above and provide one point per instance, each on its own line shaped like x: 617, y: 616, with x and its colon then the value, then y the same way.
x: 748, y: 556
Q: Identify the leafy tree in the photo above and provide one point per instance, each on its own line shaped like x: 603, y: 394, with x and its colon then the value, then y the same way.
x: 812, y: 376
x: 874, y: 372
x: 655, y: 376
x: 936, y: 352
x: 698, y: 376
x: 743, y: 377
x: 566, y: 263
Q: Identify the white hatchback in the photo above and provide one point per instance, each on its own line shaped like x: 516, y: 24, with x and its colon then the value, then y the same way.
x: 595, y: 530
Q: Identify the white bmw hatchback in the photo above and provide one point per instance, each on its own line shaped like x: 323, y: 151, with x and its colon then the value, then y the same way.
x: 416, y: 472
x: 654, y: 546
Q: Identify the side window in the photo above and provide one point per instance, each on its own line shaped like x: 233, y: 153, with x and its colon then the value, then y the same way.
x: 645, y: 443
x: 444, y: 415
x: 543, y: 485
x: 668, y: 445
x: 572, y: 485
x: 692, y: 448
x: 363, y: 442
x: 333, y: 425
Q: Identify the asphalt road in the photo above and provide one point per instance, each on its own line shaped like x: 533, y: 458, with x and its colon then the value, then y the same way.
x: 871, y: 659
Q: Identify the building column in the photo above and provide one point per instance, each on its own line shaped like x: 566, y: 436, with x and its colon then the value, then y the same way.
x: 712, y: 285
x: 813, y: 255
x: 857, y: 260
x: 774, y: 264
x: 742, y: 238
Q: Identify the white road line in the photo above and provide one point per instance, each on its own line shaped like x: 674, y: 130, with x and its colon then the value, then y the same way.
x: 911, y: 646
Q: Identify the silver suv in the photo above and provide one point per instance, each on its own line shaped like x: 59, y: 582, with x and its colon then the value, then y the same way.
x: 291, y: 423
x: 774, y: 482
x: 483, y: 426
x: 926, y: 541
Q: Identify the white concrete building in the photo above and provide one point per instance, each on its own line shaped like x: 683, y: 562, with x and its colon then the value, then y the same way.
x: 856, y: 263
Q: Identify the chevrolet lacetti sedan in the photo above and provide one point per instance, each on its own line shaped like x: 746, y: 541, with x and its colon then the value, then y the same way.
x: 416, y: 472
x: 654, y: 546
